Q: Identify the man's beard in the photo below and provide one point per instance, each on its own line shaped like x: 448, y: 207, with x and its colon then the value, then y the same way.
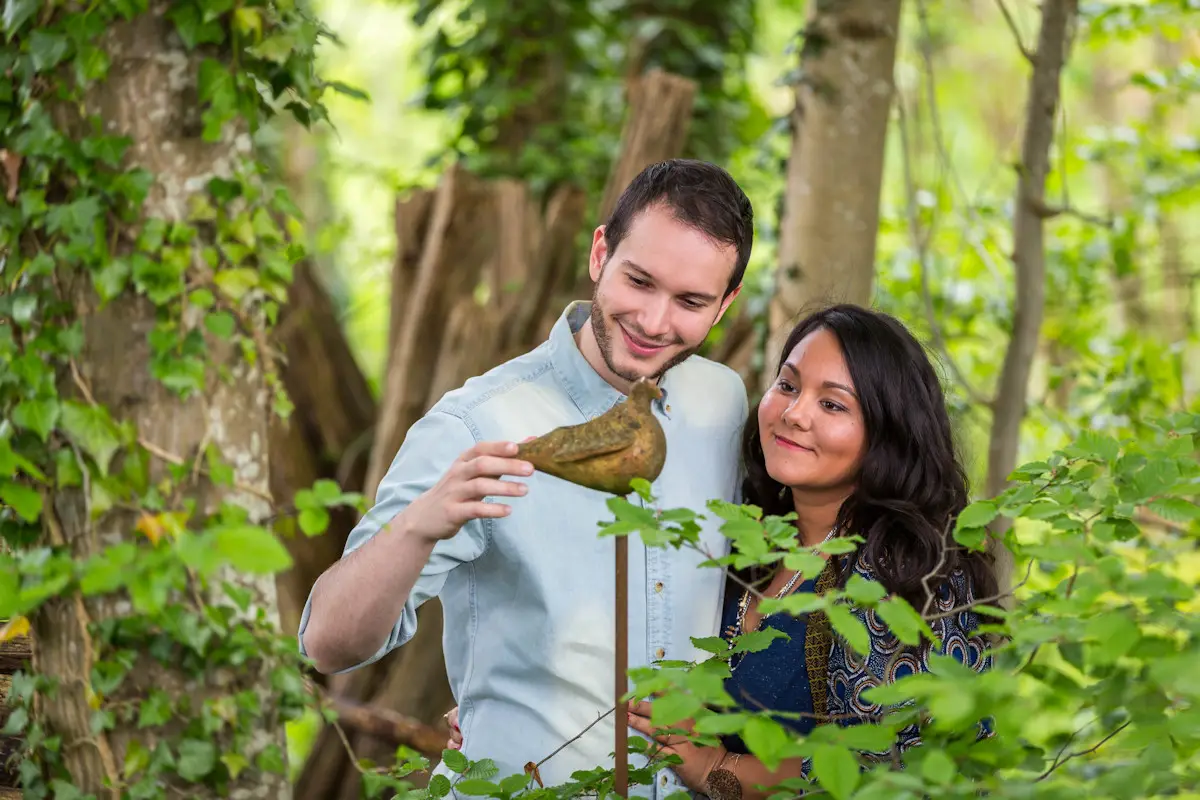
x: 604, y: 340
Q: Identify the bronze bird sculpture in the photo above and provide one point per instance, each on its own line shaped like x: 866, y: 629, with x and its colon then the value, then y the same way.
x: 607, y: 452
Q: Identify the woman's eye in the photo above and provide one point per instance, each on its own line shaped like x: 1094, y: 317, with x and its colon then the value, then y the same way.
x: 785, y: 386
x: 832, y: 406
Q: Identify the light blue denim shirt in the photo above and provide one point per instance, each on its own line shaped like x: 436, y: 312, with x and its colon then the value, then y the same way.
x: 528, y: 599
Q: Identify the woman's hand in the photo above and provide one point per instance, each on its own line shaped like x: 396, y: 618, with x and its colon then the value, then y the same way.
x: 456, y: 740
x: 698, y: 761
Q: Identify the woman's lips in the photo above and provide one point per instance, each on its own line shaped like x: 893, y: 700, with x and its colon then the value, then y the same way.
x: 788, y: 444
x: 638, y: 347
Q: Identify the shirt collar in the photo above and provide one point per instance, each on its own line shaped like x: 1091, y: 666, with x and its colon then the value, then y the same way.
x: 591, y: 393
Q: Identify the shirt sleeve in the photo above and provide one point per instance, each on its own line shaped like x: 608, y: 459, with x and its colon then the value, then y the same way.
x: 430, y: 447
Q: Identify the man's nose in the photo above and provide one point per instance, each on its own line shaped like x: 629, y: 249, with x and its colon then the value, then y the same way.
x: 656, y: 320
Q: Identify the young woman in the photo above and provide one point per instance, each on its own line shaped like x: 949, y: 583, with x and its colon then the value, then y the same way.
x: 853, y: 436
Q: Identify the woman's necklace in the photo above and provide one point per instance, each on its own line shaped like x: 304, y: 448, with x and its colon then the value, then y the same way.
x: 744, y: 604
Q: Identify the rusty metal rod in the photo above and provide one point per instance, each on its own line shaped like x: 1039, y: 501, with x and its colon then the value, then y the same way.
x: 620, y: 718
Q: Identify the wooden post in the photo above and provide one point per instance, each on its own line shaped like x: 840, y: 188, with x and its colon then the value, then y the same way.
x: 621, y: 746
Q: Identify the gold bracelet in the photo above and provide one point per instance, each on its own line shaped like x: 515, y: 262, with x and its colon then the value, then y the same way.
x: 723, y: 784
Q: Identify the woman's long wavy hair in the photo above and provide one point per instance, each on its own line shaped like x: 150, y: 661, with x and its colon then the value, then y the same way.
x: 912, y: 485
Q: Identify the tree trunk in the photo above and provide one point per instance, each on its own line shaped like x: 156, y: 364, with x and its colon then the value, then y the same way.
x: 1058, y: 17
x: 150, y: 97
x: 835, y: 171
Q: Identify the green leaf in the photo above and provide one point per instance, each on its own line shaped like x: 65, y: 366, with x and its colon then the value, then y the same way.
x: 837, y: 547
x: 16, y: 12
x: 235, y: 763
x: 903, y: 620
x: 111, y: 279
x: 439, y: 785
x: 476, y: 787
x: 937, y: 767
x: 39, y: 416
x: 757, y: 641
x: 92, y: 429
x: 864, y: 592
x: 673, y: 707
x: 196, y: 759
x: 710, y: 644
x: 25, y: 501
x: 849, y: 627
x: 155, y: 709
x: 220, y: 324
x: 836, y: 769
x: 978, y: 514
x: 454, y: 760
x: 804, y: 562
x: 349, y: 91
x: 250, y: 548
x: 1176, y: 509
x: 515, y: 783
x: 766, y: 739
x: 483, y: 769
x: 47, y: 49
x: 314, y: 521
x: 235, y: 283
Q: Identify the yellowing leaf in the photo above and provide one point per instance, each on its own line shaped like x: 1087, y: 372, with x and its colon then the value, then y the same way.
x: 151, y: 527
x: 14, y: 628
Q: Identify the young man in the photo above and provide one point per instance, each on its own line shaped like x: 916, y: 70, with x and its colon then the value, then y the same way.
x: 525, y: 583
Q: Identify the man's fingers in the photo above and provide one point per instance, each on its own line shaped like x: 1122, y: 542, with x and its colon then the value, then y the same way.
x: 494, y: 466
x: 482, y: 510
x: 640, y: 724
x: 490, y: 487
x: 641, y: 708
x: 493, y: 448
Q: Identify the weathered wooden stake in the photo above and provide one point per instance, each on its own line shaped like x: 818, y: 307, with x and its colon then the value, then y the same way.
x: 621, y: 748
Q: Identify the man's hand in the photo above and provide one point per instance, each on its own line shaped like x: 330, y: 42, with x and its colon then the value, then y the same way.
x: 458, y: 497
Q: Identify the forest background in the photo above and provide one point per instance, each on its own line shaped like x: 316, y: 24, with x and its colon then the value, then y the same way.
x: 1018, y: 182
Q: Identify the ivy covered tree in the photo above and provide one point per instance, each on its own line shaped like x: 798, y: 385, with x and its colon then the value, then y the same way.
x: 144, y: 255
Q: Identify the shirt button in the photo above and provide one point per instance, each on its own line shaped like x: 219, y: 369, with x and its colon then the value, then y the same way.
x: 658, y: 586
x: 663, y: 780
x: 659, y: 653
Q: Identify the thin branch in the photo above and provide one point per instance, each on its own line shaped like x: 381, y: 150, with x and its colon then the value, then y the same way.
x: 81, y: 384
x: 1029, y: 55
x: 171, y: 458
x: 1079, y: 753
x: 576, y: 738
x: 935, y: 121
x: 983, y: 600
x: 1046, y: 211
x: 1150, y: 518
x: 921, y: 246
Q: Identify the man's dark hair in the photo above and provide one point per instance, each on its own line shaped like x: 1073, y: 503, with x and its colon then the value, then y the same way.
x: 700, y: 195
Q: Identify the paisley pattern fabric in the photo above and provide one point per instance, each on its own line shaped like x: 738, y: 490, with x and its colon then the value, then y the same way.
x: 851, y: 675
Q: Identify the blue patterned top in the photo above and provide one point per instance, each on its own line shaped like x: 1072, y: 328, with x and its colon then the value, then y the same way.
x: 848, y: 675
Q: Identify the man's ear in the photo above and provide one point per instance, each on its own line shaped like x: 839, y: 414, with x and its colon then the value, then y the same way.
x: 598, y: 255
x: 726, y: 302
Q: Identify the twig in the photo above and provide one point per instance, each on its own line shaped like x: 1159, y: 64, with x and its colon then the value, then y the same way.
x: 921, y: 246
x: 1150, y: 518
x: 940, y: 142
x: 1047, y: 211
x: 171, y: 458
x: 1079, y: 753
x: 983, y: 600
x: 81, y: 383
x: 576, y: 738
x: 1029, y: 55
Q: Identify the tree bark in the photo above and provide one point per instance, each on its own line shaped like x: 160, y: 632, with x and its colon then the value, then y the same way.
x: 835, y: 171
x: 150, y: 96
x: 1058, y: 18
x: 656, y: 128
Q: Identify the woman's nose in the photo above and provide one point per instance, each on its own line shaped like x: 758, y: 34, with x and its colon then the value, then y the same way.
x: 797, y: 414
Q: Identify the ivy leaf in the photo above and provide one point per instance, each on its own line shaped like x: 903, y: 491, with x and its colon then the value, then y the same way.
x: 110, y: 280
x: 25, y: 501
x: 16, y: 12
x: 39, y: 416
x: 220, y: 324
x: 250, y: 548
x: 92, y: 429
x: 47, y: 49
x: 196, y: 759
x: 836, y: 769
